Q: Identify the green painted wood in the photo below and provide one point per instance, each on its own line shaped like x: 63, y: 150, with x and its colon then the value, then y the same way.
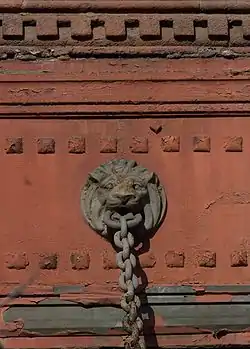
x: 231, y: 289
x: 171, y: 290
x: 53, y: 317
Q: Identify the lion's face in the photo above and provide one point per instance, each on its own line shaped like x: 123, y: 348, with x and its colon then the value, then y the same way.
x: 119, y: 192
x: 122, y: 186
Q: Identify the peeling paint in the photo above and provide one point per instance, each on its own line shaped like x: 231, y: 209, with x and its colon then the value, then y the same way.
x: 28, y: 54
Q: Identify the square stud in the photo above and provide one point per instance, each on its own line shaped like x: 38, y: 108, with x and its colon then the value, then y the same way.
x: 46, y: 146
x: 108, y: 145
x: 175, y: 259
x: 170, y: 144
x: 14, y: 145
x: 207, y: 259
x: 239, y: 259
x: 233, y: 144
x: 201, y: 144
x: 76, y: 145
x: 139, y: 145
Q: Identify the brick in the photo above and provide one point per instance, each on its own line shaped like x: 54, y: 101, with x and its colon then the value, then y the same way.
x: 16, y: 261
x: 12, y: 27
x: 14, y: 145
x: 246, y: 27
x: 233, y: 144
x: 149, y: 28
x: 115, y: 28
x: 46, y: 146
x: 139, y: 145
x: 239, y: 259
x: 48, y: 261
x: 76, y: 145
x: 207, y: 259
x: 218, y: 28
x: 81, y: 28
x: 80, y: 260
x: 183, y: 28
x: 47, y: 28
x: 201, y: 144
x: 108, y: 145
x: 175, y: 259
x: 170, y: 144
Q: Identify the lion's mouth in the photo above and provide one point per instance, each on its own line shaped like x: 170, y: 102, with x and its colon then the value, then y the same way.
x: 124, y: 203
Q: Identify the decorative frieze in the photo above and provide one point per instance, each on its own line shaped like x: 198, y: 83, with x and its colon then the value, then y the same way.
x: 81, y: 259
x: 136, y: 144
x: 164, y: 30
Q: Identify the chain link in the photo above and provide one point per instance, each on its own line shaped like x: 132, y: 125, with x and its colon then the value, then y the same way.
x: 126, y: 261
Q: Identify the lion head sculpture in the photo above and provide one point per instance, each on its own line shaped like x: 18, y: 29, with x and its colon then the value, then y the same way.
x: 122, y: 186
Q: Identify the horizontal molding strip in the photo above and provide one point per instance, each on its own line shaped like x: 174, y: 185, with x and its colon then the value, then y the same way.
x: 163, y: 341
x: 109, y: 5
x: 169, y: 310
x: 198, y: 290
x: 90, y: 70
x: 124, y: 111
x: 124, y: 92
x: 107, y: 88
x: 25, y: 53
x: 217, y: 69
x: 123, y: 30
x: 31, y: 30
x: 61, y: 317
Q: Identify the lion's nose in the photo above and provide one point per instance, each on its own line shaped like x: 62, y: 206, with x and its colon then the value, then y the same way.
x: 125, y: 197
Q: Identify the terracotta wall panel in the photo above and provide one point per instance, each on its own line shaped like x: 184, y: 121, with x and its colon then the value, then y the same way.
x: 202, y: 164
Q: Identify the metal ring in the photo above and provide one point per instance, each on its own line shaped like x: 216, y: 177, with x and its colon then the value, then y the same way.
x: 114, y: 224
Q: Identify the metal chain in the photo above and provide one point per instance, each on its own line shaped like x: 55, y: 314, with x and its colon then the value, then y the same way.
x: 126, y: 261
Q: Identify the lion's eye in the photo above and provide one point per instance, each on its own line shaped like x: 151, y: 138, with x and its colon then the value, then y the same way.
x: 109, y: 186
x: 137, y: 186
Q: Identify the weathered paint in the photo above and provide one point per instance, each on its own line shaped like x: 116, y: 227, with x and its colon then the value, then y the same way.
x: 90, y: 88
x: 163, y: 341
x: 163, y: 313
x: 48, y: 319
x: 185, y: 119
x: 181, y: 254
x: 31, y: 30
